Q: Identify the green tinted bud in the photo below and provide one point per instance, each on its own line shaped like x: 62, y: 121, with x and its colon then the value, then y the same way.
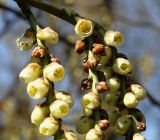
x: 59, y: 109
x: 138, y: 91
x: 39, y: 113
x: 113, y: 38
x: 31, y: 72
x: 122, y: 66
x: 122, y: 125
x: 84, y: 27
x: 87, y: 112
x: 98, y: 130
x: 130, y: 100
x: 70, y: 135
x: 38, y: 89
x: 111, y: 99
x: 49, y: 127
x: 48, y: 35
x: 113, y: 116
x: 108, y: 71
x: 84, y: 124
x: 92, y: 135
x: 104, y: 58
x: 138, y: 136
x: 90, y: 100
x: 61, y: 95
x: 113, y: 84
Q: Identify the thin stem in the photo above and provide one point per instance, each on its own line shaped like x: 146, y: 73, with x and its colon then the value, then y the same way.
x: 66, y: 14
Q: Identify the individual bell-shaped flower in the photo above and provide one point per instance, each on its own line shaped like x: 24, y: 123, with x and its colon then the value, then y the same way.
x: 122, y: 66
x: 90, y: 100
x: 111, y: 99
x: 87, y: 112
x: 84, y: 124
x: 54, y: 72
x: 64, y: 96
x: 138, y: 91
x: 122, y: 125
x: 84, y: 28
x: 59, y: 109
x: 113, y: 38
x: 138, y: 136
x: 38, y: 89
x: 113, y: 84
x: 130, y: 100
x: 26, y: 41
x: 48, y: 35
x: 70, y: 135
x: 49, y: 126
x: 31, y: 72
x: 92, y: 135
x: 40, y: 112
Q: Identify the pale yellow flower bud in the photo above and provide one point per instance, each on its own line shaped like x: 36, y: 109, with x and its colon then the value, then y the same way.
x: 122, y: 66
x: 113, y: 84
x: 87, y: 112
x: 84, y: 124
x: 54, y: 72
x: 59, y: 109
x: 70, y: 135
x: 113, y: 38
x: 138, y: 136
x: 26, y: 41
x: 130, y: 100
x: 90, y: 100
x: 98, y: 130
x: 38, y: 89
x: 61, y: 95
x: 39, y: 113
x: 49, y: 127
x: 92, y: 135
x: 122, y: 125
x: 84, y: 28
x: 48, y: 35
x: 138, y: 91
x: 31, y: 72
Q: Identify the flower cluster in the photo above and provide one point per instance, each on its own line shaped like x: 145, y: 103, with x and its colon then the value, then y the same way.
x: 108, y: 81
x: 39, y: 75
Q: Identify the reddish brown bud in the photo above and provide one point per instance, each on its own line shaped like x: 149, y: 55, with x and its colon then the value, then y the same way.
x: 101, y: 87
x: 85, y: 65
x: 92, y: 62
x: 38, y: 52
x: 98, y: 49
x: 86, y: 84
x: 103, y: 124
x: 80, y: 46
